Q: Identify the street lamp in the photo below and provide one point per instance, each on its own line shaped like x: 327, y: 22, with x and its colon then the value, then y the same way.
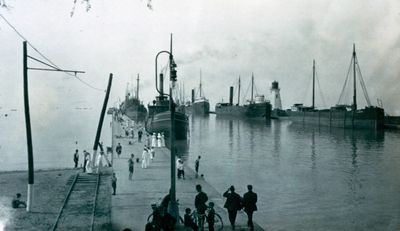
x: 173, y: 206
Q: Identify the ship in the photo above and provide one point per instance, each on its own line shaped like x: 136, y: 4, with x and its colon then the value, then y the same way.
x: 256, y: 107
x: 200, y: 105
x: 133, y: 107
x: 159, y: 118
x: 341, y: 115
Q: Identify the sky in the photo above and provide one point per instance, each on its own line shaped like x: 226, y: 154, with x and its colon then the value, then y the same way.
x: 275, y: 40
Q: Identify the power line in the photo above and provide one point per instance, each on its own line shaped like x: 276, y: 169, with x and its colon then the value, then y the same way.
x: 44, y: 57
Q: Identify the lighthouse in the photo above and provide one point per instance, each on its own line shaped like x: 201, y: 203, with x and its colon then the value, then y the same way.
x: 276, y: 95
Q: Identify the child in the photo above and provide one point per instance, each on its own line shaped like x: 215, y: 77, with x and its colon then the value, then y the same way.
x: 211, y: 216
x: 188, y: 220
x: 16, y: 202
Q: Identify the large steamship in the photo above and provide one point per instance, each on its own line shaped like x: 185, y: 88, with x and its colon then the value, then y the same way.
x: 257, y: 107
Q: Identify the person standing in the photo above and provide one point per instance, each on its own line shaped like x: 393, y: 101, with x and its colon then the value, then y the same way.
x: 148, y: 157
x: 180, y: 168
x: 140, y: 133
x: 131, y: 162
x: 153, y: 153
x: 86, y: 157
x: 233, y: 203
x: 76, y: 158
x: 200, y: 204
x: 144, y: 156
x: 196, y: 166
x: 118, y: 149
x: 211, y: 216
x: 249, y: 205
x: 114, y: 183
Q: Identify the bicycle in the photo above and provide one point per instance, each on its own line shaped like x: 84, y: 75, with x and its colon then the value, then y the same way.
x: 158, y: 215
x: 201, y: 220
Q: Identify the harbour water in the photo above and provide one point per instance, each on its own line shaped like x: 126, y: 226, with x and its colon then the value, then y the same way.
x: 306, y: 179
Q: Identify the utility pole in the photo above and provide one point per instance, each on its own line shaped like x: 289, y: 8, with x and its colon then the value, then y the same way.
x: 28, y: 118
x: 28, y: 131
x: 103, y: 112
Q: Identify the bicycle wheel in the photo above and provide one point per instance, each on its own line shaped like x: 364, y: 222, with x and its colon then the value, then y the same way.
x: 219, y: 224
x: 149, y: 218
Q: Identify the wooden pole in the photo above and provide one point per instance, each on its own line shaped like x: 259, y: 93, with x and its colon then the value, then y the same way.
x: 28, y: 130
x: 103, y: 112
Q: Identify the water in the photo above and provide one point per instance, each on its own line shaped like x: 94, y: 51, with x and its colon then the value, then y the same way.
x: 306, y: 179
x: 55, y: 137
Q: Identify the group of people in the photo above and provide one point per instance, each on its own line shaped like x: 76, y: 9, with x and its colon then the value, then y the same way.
x: 148, y: 155
x: 86, y: 159
x: 234, y: 203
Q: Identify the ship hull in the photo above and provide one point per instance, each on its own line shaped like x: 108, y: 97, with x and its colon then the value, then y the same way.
x: 261, y: 110
x: 368, y: 118
x: 161, y: 123
x: 201, y: 108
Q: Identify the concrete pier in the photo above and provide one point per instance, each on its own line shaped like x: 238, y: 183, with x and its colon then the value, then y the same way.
x: 131, y: 205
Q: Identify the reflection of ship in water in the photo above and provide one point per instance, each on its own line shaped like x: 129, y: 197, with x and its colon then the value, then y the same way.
x: 132, y: 107
x: 341, y: 115
x: 159, y: 118
x: 257, y: 107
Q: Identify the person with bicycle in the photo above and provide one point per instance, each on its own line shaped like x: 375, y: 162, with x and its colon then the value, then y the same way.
x: 200, y: 204
x: 211, y: 216
x: 188, y: 220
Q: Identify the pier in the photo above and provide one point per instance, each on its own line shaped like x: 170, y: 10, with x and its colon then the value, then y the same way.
x: 131, y: 205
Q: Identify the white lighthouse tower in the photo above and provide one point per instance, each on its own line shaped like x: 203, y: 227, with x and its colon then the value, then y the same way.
x: 276, y: 96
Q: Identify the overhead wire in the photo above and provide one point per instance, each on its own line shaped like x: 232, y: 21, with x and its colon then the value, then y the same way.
x: 44, y: 57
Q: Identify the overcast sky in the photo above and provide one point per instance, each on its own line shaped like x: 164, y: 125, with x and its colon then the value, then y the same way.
x: 277, y: 40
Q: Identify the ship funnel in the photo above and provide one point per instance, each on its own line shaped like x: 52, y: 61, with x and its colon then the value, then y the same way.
x: 231, y: 96
x: 192, y: 95
x: 161, y: 84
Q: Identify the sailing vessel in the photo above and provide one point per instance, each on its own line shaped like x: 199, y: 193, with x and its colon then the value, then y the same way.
x: 257, y: 107
x: 341, y: 115
x: 132, y: 107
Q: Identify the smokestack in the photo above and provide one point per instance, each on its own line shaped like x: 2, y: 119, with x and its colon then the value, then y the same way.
x: 192, y: 95
x: 161, y: 84
x: 231, y: 96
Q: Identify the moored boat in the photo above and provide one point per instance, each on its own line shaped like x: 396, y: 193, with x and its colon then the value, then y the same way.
x: 341, y: 116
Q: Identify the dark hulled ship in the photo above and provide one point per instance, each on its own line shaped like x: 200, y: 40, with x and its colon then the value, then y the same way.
x: 200, y: 105
x: 257, y: 107
x: 341, y: 116
x: 132, y: 107
x: 159, y: 118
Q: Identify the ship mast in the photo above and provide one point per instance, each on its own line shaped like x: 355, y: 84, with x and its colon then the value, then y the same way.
x: 200, y: 83
x: 252, y: 86
x: 137, y: 87
x: 239, y: 92
x: 313, y: 86
x: 354, y: 79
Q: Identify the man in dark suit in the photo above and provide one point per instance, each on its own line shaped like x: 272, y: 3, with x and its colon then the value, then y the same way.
x: 233, y: 203
x: 249, y: 204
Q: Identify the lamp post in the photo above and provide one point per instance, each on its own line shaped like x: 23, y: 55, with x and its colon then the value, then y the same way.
x: 173, y: 206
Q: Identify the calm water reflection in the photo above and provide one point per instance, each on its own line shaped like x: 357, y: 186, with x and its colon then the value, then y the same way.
x: 307, y: 179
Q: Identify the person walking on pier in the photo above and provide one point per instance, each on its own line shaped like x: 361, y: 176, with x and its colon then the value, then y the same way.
x: 233, y: 203
x: 140, y: 133
x: 118, y: 149
x: 249, y: 205
x: 180, y: 168
x: 131, y: 162
x: 76, y: 158
x: 114, y: 183
x: 196, y: 166
x: 200, y: 204
x: 144, y: 157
